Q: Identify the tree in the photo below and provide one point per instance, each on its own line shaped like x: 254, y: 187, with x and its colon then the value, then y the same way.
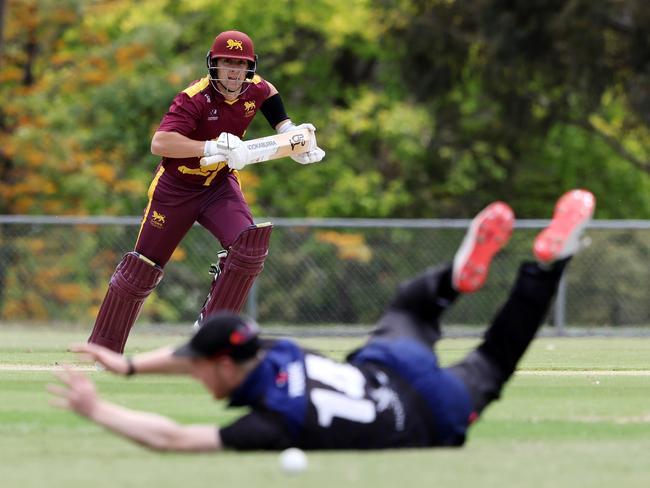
x: 507, y: 83
x: 426, y: 108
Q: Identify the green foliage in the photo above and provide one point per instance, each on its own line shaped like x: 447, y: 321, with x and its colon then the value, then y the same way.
x: 425, y: 108
x: 500, y: 79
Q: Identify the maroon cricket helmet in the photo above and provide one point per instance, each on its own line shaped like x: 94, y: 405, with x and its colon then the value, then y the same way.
x: 234, y: 45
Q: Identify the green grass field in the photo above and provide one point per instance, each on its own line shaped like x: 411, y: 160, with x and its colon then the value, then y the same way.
x: 576, y: 415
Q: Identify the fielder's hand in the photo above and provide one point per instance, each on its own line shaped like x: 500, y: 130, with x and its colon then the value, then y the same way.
x: 111, y: 360
x: 315, y: 153
x: 78, y: 392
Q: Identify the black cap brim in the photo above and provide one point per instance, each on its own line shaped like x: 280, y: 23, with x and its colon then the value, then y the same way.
x: 187, y: 351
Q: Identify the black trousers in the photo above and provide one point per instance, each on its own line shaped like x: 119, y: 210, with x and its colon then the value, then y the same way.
x: 416, y: 308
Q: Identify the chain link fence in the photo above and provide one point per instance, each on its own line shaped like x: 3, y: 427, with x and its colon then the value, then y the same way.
x: 319, y: 271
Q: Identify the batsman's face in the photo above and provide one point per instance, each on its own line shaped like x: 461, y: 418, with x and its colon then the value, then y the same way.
x: 232, y: 72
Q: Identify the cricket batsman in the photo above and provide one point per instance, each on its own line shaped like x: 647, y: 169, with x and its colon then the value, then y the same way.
x: 184, y: 191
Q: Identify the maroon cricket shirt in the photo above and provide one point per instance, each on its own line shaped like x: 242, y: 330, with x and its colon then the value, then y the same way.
x: 201, y: 113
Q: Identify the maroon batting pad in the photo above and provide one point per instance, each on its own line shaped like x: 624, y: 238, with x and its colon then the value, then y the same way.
x: 134, y: 279
x: 244, y: 262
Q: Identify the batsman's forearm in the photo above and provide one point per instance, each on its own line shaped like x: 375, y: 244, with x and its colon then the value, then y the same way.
x: 175, y: 145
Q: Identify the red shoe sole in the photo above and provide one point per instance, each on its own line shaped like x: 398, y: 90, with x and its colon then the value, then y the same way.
x: 572, y: 212
x: 490, y: 231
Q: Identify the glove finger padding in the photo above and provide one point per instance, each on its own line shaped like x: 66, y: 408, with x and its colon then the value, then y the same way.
x: 228, y: 141
x: 239, y: 157
x: 305, y: 126
x: 221, y: 150
x: 313, y: 156
x: 291, y: 126
x: 233, y: 150
x: 211, y: 148
x: 213, y: 160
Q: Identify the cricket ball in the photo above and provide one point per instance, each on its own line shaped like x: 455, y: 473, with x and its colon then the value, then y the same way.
x: 293, y: 460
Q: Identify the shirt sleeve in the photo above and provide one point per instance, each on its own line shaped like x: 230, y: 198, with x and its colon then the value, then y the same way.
x: 182, y: 117
x: 256, y: 431
x: 264, y: 87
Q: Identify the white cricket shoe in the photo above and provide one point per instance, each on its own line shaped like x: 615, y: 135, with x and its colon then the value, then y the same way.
x: 562, y: 237
x: 489, y: 231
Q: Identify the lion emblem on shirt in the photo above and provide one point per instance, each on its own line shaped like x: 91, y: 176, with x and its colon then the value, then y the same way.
x: 249, y: 108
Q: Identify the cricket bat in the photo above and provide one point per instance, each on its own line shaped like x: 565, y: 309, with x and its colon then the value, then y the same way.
x: 278, y: 146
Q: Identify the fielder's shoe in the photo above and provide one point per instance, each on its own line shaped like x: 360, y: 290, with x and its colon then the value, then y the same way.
x: 562, y: 238
x: 487, y: 234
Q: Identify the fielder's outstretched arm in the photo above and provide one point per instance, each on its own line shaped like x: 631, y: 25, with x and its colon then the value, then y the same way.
x: 78, y: 394
x: 159, y: 361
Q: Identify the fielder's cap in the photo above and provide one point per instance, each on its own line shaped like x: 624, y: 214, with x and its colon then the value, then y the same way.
x: 223, y: 334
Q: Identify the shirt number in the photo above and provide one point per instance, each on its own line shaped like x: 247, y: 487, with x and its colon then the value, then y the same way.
x: 345, y: 399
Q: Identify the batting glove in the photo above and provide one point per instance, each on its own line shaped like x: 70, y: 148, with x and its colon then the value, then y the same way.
x: 211, y: 148
x: 237, y: 154
x: 315, y: 153
x: 228, y: 147
x: 213, y: 154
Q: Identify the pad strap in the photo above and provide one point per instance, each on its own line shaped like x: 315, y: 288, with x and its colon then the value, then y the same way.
x: 245, y: 261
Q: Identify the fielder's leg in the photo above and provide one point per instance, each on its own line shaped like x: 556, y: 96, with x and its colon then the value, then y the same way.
x: 486, y: 369
x: 237, y: 272
x: 416, y: 308
x: 134, y: 279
